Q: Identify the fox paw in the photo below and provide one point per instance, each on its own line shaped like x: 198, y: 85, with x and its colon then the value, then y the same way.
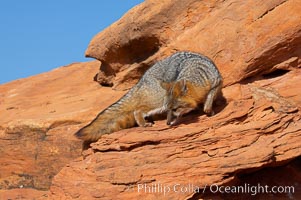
x: 148, y: 124
x: 209, y: 112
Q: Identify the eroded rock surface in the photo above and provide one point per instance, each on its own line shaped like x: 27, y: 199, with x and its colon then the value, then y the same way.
x: 259, y: 127
x: 243, y: 38
x: 254, y: 135
x: 39, y: 115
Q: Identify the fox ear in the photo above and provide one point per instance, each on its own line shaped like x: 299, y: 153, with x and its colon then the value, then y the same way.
x: 165, y: 85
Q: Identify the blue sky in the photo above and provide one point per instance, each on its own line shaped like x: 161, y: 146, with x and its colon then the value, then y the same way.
x: 37, y: 36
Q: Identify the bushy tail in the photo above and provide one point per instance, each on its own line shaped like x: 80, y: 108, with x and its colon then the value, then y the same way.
x: 116, y: 117
x: 93, y: 131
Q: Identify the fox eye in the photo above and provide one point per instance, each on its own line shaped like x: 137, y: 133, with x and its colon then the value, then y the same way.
x: 174, y: 110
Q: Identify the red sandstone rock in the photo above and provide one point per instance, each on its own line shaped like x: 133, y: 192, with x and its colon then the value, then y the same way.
x: 24, y: 193
x: 39, y: 115
x: 256, y: 46
x: 257, y: 128
x: 243, y: 38
x: 254, y: 43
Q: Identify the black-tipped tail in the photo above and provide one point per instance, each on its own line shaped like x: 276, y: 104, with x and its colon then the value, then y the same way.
x: 88, y: 133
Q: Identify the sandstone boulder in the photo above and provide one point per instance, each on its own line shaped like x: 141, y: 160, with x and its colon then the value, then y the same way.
x: 244, y: 39
x: 259, y: 127
x: 256, y: 46
x: 254, y: 136
x: 39, y: 115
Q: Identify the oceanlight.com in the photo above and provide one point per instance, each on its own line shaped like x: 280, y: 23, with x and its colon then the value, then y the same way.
x: 253, y: 190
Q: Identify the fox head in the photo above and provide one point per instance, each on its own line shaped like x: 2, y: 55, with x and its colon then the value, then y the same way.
x: 179, y: 100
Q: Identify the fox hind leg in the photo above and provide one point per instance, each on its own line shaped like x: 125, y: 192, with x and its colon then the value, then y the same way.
x: 140, y: 119
x: 209, y: 100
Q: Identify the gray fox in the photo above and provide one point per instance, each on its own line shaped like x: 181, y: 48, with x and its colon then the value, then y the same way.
x: 175, y: 85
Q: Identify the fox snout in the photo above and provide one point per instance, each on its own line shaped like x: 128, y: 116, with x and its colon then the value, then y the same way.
x: 174, y: 115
